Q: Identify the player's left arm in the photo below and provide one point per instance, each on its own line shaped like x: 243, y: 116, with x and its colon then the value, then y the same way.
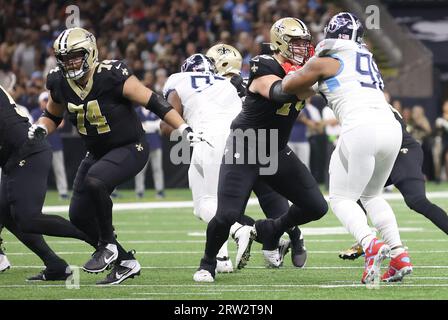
x: 135, y: 91
x: 173, y: 99
x: 301, y: 81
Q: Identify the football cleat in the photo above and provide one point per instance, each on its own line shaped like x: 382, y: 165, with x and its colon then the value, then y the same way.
x: 203, y: 275
x: 243, y: 237
x: 205, y: 272
x: 374, y: 256
x: 353, y: 253
x: 399, y: 267
x: 102, y: 258
x: 224, y: 265
x: 283, y: 247
x: 4, y: 262
x: 272, y: 258
x: 49, y: 275
x: 298, y: 252
x: 121, y: 271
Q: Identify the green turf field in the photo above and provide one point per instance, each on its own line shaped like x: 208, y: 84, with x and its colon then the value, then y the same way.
x: 170, y: 243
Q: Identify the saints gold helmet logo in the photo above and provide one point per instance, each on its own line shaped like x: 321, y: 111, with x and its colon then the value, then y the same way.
x: 227, y: 59
x: 76, y: 52
x: 292, y: 39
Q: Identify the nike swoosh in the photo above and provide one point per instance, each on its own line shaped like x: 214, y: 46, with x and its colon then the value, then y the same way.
x: 120, y: 275
x: 108, y: 260
x: 288, y: 153
x: 118, y: 67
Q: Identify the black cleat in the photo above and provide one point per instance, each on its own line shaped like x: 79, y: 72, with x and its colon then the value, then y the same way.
x: 102, y: 258
x: 298, y: 252
x: 121, y: 271
x: 49, y: 275
x: 354, y: 252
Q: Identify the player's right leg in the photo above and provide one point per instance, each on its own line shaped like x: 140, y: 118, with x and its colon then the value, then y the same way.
x: 234, y: 188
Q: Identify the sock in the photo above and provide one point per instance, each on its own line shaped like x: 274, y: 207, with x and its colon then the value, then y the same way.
x: 395, y: 252
x: 383, y: 218
x: 217, y: 234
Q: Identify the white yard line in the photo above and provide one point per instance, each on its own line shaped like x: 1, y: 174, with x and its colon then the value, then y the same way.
x: 189, y: 204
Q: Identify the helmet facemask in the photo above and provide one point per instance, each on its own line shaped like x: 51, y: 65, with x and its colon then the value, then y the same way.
x: 73, y: 64
x: 299, y: 50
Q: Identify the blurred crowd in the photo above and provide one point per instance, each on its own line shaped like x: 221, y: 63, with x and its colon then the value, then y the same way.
x: 155, y: 36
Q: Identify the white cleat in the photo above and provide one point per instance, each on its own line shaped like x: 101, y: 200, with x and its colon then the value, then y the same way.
x: 224, y: 265
x: 272, y: 258
x: 243, y: 237
x: 203, y: 276
x: 4, y: 263
x: 283, y: 247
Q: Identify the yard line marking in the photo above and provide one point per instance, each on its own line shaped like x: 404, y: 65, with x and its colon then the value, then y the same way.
x: 260, y: 267
x: 215, y: 286
x: 200, y: 252
x: 119, y: 207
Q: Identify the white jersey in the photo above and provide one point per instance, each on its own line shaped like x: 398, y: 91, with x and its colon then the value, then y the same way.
x: 355, y: 93
x: 210, y: 102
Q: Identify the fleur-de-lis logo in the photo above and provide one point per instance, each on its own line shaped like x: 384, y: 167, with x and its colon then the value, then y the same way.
x: 223, y: 50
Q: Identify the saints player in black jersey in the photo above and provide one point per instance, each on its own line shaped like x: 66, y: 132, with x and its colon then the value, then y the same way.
x: 228, y: 63
x: 266, y: 107
x: 98, y: 97
x: 408, y: 178
x: 25, y: 167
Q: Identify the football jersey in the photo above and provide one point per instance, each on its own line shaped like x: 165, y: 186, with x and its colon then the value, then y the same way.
x: 355, y: 93
x: 14, y: 142
x: 262, y: 113
x: 104, y: 118
x: 210, y: 102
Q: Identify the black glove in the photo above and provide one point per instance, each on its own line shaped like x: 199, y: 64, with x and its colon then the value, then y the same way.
x: 238, y: 83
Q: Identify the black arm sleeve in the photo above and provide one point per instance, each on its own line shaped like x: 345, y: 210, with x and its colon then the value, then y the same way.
x: 277, y: 95
x: 57, y: 120
x: 158, y: 105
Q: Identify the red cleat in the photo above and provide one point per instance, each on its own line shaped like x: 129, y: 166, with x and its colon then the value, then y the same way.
x: 374, y: 256
x: 399, y: 267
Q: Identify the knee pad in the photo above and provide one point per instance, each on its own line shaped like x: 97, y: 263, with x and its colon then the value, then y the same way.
x: 95, y: 185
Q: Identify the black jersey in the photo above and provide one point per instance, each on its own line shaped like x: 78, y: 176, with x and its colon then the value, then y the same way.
x: 104, y: 118
x: 408, y: 140
x: 261, y: 113
x: 14, y: 142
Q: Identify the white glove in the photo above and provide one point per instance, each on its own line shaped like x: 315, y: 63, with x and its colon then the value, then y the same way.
x: 193, y: 137
x: 37, y: 132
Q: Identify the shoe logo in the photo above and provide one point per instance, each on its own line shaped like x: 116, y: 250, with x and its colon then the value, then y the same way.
x: 108, y: 260
x: 288, y: 153
x: 119, y: 275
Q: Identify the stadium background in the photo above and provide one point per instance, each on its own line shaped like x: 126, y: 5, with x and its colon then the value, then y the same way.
x: 154, y: 37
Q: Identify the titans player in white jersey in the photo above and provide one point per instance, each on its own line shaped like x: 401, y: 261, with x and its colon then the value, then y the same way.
x: 208, y: 103
x: 370, y: 140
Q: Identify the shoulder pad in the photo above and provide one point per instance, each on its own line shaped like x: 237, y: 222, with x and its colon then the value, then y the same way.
x: 328, y: 47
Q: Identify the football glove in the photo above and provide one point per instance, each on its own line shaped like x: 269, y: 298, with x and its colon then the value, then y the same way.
x: 37, y: 132
x: 194, y: 137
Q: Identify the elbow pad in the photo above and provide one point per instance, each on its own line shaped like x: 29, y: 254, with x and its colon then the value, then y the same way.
x: 158, y: 105
x: 276, y: 93
x: 57, y: 120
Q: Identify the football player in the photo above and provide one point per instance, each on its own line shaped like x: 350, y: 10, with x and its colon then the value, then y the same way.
x: 265, y: 108
x: 228, y: 62
x: 407, y: 176
x: 98, y: 97
x: 25, y: 168
x: 348, y: 77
